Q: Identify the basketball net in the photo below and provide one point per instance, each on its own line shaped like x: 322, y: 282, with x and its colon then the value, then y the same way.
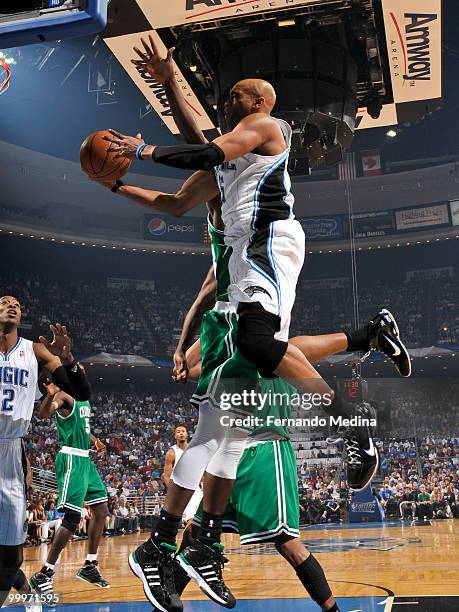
x: 5, y: 76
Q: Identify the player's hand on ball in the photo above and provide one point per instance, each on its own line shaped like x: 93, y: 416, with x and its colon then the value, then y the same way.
x: 180, y: 371
x: 160, y: 68
x: 123, y: 146
x: 61, y: 344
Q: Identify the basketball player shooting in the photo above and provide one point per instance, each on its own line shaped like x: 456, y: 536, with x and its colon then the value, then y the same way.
x: 200, y: 194
x: 20, y: 359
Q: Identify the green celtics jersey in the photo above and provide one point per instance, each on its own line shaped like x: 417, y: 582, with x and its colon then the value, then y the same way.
x: 220, y: 257
x: 75, y: 429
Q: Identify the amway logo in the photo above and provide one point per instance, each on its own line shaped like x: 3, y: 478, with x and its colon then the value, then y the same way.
x: 158, y: 90
x: 192, y: 4
x: 418, y: 53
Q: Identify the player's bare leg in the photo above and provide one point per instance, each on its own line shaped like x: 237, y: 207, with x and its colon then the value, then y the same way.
x: 177, y: 499
x: 316, y: 348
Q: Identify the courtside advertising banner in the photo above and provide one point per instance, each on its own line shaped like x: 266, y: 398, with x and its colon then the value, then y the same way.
x: 329, y: 227
x: 422, y: 217
x: 161, y: 228
x: 414, y: 47
x: 179, y: 12
x: 122, y: 48
x: 372, y: 224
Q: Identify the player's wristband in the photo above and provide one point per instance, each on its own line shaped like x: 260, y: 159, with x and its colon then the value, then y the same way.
x: 140, y: 148
x: 117, y: 185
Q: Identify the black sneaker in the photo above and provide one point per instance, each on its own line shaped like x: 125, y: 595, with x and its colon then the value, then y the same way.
x: 383, y: 321
x: 42, y: 582
x: 394, y: 348
x: 154, y: 567
x: 90, y: 573
x: 204, y: 565
x: 384, y: 336
x: 362, y: 460
x: 181, y: 578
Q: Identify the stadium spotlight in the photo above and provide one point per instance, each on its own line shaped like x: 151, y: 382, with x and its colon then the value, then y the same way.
x: 285, y: 23
x: 391, y: 133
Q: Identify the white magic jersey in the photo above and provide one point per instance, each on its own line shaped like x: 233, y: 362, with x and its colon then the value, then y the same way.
x: 18, y: 387
x: 255, y: 191
x: 178, y: 453
x: 196, y: 498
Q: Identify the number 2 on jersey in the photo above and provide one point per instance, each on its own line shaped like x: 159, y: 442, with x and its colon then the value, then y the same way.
x: 7, y: 401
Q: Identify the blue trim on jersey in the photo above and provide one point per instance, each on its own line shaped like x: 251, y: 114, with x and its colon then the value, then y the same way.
x: 260, y: 184
x: 6, y: 356
x: 271, y: 259
x: 253, y: 265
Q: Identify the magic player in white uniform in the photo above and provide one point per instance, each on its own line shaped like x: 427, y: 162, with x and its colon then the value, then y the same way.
x: 250, y: 166
x: 173, y: 456
x: 19, y: 362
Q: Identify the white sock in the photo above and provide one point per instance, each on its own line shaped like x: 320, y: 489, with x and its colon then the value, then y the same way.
x: 91, y: 558
x: 49, y: 566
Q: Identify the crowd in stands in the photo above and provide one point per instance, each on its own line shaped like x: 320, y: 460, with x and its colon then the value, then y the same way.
x: 421, y: 477
x: 419, y: 470
x: 137, y: 430
x: 146, y: 322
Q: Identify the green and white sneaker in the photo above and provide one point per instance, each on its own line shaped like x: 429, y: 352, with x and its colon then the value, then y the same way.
x: 90, y: 573
x: 204, y: 564
x: 154, y: 565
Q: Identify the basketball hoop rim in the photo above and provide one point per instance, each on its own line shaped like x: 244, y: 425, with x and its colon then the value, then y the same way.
x: 6, y: 81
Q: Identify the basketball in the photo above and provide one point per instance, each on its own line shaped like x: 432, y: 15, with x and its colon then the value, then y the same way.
x: 98, y: 162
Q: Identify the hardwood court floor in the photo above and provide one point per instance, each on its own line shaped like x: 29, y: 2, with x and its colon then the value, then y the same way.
x: 363, y: 561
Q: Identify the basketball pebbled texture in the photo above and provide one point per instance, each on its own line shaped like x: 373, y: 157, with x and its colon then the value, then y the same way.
x: 97, y: 162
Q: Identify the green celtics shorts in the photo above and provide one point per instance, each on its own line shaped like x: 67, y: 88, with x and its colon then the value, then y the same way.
x: 264, y: 502
x: 224, y: 370
x: 79, y: 482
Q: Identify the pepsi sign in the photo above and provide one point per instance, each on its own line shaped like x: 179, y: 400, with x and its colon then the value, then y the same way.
x: 170, y: 229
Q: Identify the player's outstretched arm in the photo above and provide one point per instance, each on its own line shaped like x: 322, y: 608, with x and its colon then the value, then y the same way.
x: 204, y: 301
x: 54, y: 402
x: 163, y: 70
x: 56, y: 356
x: 197, y: 189
x: 251, y: 133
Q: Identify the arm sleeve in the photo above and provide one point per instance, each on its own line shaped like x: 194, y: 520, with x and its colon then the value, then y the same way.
x: 73, y: 381
x: 190, y: 157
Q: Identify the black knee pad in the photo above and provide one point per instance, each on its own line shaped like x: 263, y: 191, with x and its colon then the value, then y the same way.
x: 255, y: 338
x: 20, y: 581
x: 11, y: 558
x: 312, y: 576
x: 10, y: 561
x: 71, y: 520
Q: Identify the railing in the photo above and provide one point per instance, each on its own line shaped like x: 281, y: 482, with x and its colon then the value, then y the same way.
x: 45, y: 482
